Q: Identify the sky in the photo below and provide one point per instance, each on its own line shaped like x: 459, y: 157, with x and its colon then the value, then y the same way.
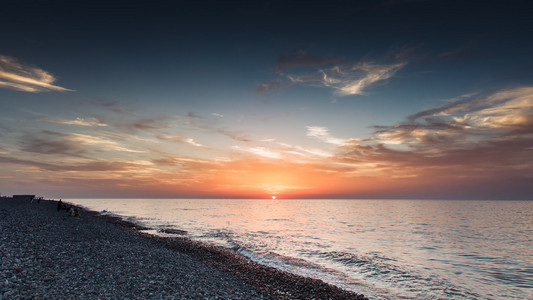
x: 254, y: 99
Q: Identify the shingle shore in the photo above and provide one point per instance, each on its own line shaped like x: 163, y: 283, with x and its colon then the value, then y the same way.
x: 48, y: 254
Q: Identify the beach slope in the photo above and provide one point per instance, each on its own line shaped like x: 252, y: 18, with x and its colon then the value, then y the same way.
x: 45, y: 253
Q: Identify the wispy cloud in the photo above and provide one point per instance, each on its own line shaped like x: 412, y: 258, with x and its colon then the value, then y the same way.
x: 179, y: 160
x: 78, y: 121
x: 234, y: 135
x: 207, y: 125
x: 272, y: 149
x: 89, y: 166
x: 352, y: 80
x: 178, y: 139
x: 344, y: 77
x: 299, y: 153
x: 15, y: 75
x: 507, y: 113
x: 260, y: 151
x: 322, y: 134
x: 103, y: 143
x: 473, y: 137
x: 50, y: 143
x: 68, y: 144
x: 144, y: 124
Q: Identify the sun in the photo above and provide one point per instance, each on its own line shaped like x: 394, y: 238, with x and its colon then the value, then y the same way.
x: 273, y: 197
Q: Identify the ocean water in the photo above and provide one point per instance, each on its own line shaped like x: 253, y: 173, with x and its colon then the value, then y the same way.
x: 386, y: 249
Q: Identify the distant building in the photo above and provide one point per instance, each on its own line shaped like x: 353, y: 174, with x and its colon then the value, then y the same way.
x: 23, y: 197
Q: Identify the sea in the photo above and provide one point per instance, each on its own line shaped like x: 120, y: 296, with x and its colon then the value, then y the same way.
x: 385, y: 249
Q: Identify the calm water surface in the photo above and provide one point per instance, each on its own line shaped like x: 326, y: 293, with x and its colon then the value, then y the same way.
x: 386, y: 249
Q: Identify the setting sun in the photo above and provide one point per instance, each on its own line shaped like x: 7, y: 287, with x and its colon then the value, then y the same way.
x: 273, y: 197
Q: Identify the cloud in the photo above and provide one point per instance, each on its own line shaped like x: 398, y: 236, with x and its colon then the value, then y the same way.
x: 217, y: 115
x: 501, y: 114
x: 91, y: 166
x: 260, y: 151
x: 270, y: 148
x: 352, y: 80
x: 17, y: 76
x: 50, y: 144
x: 78, y: 121
x: 236, y: 136
x: 477, y: 137
x: 344, y: 77
x: 297, y: 153
x: 102, y: 143
x: 239, y: 136
x: 178, y: 139
x: 313, y: 153
x: 145, y: 124
x: 322, y: 134
x: 69, y: 144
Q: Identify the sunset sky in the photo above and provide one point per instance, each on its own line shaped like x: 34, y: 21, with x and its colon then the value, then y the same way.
x: 321, y: 99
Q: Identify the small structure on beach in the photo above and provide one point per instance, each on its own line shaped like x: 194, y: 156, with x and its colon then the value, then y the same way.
x: 23, y: 197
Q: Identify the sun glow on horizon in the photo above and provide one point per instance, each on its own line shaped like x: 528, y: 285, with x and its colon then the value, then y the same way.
x: 273, y: 197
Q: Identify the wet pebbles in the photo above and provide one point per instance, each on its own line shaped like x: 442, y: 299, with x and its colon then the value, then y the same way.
x: 46, y: 254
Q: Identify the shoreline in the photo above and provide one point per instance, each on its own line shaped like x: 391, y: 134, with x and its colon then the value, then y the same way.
x: 229, y: 270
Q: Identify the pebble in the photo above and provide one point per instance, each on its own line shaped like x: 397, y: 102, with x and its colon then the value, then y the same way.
x: 46, y: 254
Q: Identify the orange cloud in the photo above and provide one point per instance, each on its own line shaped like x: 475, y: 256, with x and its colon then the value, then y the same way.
x: 470, y: 148
x: 17, y: 76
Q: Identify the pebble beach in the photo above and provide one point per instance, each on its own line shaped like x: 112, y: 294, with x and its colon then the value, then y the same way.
x: 47, y: 254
